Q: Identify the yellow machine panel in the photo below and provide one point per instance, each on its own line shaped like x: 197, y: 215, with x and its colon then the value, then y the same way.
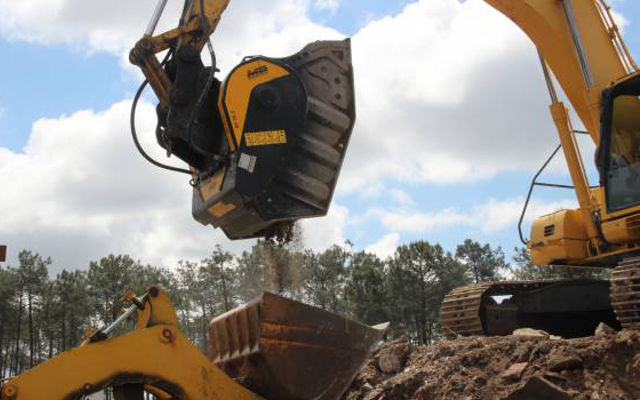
x: 237, y: 93
x: 560, y: 237
x: 622, y: 230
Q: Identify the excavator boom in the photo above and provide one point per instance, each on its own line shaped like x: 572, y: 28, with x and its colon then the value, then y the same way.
x: 556, y: 27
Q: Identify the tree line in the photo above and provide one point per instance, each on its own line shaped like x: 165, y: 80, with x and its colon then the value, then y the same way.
x: 43, y: 315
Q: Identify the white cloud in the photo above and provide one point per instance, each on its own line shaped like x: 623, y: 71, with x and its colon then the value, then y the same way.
x: 401, y: 197
x: 448, y: 92
x: 80, y: 190
x: 492, y: 216
x: 386, y: 246
x: 328, y: 5
x: 620, y: 20
x: 321, y: 233
x: 274, y: 27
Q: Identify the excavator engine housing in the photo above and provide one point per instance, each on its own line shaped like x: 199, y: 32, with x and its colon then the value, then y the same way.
x: 558, y: 238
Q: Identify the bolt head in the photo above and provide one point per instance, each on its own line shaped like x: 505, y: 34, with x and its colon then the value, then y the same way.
x: 154, y: 291
x: 167, y: 336
x: 10, y: 391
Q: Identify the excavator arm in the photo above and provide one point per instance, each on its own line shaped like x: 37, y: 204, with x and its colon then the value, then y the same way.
x: 199, y: 20
x: 264, y: 146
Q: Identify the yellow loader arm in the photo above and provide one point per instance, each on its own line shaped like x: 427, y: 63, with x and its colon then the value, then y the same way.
x: 156, y: 358
x: 280, y: 348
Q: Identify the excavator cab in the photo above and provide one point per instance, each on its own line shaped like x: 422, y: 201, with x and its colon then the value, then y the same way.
x: 620, y: 145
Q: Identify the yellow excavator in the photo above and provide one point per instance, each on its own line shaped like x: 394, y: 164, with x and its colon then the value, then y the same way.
x: 580, y: 44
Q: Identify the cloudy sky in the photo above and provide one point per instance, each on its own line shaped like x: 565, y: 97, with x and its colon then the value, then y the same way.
x: 452, y: 123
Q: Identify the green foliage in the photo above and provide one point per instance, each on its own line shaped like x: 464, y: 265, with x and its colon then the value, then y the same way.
x: 365, y: 291
x: 483, y: 262
x: 41, y: 316
x: 526, y: 270
x: 420, y: 275
x: 325, y: 275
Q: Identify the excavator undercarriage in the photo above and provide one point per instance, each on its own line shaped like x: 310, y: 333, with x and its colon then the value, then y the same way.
x: 567, y: 308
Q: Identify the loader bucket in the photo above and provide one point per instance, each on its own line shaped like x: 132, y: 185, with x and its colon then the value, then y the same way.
x: 283, y: 349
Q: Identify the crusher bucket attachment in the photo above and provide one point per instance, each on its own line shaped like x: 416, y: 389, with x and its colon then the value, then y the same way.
x: 282, y: 349
x: 287, y: 122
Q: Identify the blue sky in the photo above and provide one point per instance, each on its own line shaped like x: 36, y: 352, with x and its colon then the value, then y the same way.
x: 41, y: 79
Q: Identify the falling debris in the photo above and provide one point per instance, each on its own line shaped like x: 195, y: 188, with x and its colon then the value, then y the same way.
x: 516, y: 367
x: 277, y: 257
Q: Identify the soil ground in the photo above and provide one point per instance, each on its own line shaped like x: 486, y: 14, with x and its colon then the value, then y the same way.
x: 530, y: 365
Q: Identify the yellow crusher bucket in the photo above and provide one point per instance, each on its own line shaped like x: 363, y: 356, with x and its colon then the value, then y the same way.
x: 283, y: 349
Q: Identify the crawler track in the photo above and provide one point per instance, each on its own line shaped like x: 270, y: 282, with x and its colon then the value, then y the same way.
x: 625, y: 292
x: 571, y: 308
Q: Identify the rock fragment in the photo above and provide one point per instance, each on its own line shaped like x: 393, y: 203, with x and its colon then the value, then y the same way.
x: 598, y: 368
x: 393, y: 358
x: 539, y: 388
x: 566, y: 363
x: 530, y: 333
x: 604, y: 330
x: 514, y: 373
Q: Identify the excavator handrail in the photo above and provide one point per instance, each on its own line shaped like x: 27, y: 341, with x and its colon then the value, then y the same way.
x: 616, y: 38
x: 534, y: 183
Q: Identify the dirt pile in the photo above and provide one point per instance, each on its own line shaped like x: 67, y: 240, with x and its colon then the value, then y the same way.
x: 527, y: 365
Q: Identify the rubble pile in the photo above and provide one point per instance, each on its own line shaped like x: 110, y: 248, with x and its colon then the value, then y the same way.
x: 526, y: 365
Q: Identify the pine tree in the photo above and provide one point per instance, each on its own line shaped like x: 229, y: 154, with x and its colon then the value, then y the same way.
x: 483, y: 262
